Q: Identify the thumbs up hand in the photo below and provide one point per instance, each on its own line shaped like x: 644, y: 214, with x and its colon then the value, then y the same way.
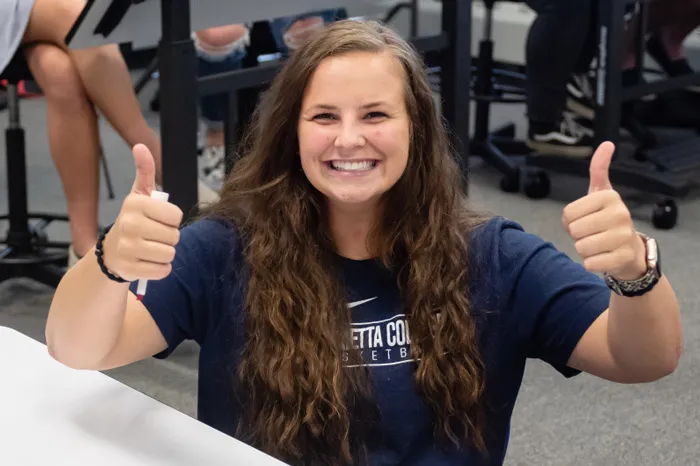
x: 141, y: 243
x: 145, y: 179
x: 601, y: 225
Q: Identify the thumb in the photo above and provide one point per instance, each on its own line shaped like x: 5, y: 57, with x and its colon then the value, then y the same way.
x: 600, y: 168
x: 145, y: 181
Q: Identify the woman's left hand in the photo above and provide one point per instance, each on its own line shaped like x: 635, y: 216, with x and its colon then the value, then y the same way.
x: 601, y: 225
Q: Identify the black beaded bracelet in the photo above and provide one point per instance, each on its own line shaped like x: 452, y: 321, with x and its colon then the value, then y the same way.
x: 100, y: 259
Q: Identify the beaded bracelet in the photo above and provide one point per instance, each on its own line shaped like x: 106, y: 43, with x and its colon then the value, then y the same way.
x: 100, y: 259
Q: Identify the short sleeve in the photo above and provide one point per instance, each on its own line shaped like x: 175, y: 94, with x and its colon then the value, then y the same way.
x: 183, y: 304
x: 553, y: 300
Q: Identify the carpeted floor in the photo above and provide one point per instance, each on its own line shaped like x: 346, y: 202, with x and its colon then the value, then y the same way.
x: 578, y: 422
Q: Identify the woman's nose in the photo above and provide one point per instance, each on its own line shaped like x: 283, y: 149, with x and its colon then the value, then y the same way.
x: 350, y: 135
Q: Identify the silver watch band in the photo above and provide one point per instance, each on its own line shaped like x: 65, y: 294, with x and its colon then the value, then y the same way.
x: 633, y: 287
x: 645, y: 283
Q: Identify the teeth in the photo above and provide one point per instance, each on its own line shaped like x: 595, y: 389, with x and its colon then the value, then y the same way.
x: 353, y: 166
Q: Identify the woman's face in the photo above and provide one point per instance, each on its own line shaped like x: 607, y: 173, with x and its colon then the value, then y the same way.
x: 354, y: 128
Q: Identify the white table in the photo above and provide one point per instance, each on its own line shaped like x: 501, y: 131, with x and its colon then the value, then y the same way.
x: 53, y: 415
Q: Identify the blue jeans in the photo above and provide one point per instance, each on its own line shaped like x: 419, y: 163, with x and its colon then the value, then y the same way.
x: 213, y: 107
x: 280, y: 26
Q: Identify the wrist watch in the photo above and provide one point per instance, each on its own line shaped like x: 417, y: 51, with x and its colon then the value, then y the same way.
x: 646, y: 283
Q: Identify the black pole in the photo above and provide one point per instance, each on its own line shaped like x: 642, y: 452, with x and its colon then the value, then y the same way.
x: 17, y: 235
x: 146, y: 76
x: 178, y: 101
x: 609, y: 70
x: 455, y: 76
x: 414, y: 19
x: 642, y: 23
x: 231, y: 129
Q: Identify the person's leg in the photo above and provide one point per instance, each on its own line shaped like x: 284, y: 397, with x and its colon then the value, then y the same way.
x: 554, y: 45
x: 666, y: 42
x: 580, y: 98
x: 102, y: 70
x: 73, y: 138
x: 218, y: 50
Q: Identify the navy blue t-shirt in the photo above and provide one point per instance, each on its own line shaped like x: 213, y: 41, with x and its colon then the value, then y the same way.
x: 530, y: 301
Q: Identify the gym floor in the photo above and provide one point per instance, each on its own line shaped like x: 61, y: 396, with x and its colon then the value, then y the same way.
x: 577, y: 422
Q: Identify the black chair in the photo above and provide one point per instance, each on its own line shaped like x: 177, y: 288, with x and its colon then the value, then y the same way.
x: 492, y: 83
x: 658, y: 165
x: 27, y: 251
x: 503, y: 84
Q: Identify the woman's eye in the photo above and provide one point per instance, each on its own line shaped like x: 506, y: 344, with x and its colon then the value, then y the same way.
x: 330, y: 116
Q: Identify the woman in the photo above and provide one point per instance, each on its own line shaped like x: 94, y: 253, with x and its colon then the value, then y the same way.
x: 342, y: 227
x: 74, y: 82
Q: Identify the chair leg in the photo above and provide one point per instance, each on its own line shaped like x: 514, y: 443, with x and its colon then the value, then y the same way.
x: 47, y: 274
x: 4, y: 274
x: 484, y: 141
x: 506, y: 131
x: 147, y: 76
x: 26, y: 250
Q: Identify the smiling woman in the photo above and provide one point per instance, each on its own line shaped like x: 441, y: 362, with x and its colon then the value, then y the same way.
x: 350, y: 306
x: 354, y: 144
x: 354, y: 93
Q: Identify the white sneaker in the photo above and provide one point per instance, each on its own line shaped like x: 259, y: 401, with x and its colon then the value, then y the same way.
x: 580, y: 96
x: 212, y: 167
x: 571, y: 140
x: 205, y: 194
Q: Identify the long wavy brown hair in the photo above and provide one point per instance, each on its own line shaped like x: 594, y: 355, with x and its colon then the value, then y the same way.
x: 300, y: 403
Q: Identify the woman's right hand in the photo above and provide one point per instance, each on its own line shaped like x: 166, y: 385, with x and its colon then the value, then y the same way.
x: 141, y: 244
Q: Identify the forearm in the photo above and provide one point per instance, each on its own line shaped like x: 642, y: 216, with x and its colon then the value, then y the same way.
x: 644, y: 332
x: 86, y: 315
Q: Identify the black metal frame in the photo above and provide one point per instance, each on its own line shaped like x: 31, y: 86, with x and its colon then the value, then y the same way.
x: 180, y: 90
x: 412, y: 6
x: 178, y: 105
x: 27, y: 251
x: 152, y: 68
x: 609, y: 93
x: 496, y: 147
x: 640, y: 173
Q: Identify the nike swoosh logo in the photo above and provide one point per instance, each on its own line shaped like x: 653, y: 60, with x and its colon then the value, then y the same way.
x: 360, y: 303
